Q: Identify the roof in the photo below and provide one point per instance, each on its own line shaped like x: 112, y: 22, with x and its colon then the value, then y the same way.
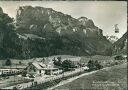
x: 14, y: 67
x: 39, y: 65
x: 43, y: 66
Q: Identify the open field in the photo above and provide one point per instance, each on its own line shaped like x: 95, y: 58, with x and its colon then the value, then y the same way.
x: 111, y: 79
x: 25, y: 62
x: 12, y: 80
x: 84, y: 59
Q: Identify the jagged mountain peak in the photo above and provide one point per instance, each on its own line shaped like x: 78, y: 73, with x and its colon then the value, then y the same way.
x: 83, y: 19
x: 119, y: 47
x: 38, y: 9
x: 86, y: 22
x: 112, y: 38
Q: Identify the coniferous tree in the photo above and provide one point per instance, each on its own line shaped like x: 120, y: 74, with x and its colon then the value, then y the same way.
x: 90, y: 65
x: 67, y: 65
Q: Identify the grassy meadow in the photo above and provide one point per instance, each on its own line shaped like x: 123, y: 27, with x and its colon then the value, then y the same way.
x: 84, y: 59
x: 114, y: 78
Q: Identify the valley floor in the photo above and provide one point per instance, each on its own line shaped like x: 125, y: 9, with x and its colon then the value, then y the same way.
x: 112, y: 78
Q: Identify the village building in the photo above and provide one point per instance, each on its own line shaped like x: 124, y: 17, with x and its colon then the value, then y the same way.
x: 5, y: 71
x: 11, y: 70
x: 39, y: 68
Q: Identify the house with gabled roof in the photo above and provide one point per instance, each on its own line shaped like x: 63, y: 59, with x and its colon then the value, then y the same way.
x: 37, y: 68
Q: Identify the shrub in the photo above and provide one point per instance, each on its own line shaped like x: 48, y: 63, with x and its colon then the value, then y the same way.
x: 8, y: 62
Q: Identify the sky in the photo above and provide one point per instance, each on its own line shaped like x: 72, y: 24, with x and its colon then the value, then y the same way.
x: 105, y: 14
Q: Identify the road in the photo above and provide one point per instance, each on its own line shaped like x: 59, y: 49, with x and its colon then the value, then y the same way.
x: 44, y: 79
x: 74, y: 78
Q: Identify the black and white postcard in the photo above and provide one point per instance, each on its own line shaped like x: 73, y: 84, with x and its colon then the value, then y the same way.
x: 63, y: 45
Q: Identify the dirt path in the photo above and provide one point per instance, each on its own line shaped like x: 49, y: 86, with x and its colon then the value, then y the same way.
x: 76, y: 77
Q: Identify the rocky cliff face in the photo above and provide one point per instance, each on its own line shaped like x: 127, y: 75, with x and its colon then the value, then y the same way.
x: 43, y: 32
x: 118, y: 47
x: 37, y: 20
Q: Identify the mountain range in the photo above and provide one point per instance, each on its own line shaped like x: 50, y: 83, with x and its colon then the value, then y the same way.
x: 39, y: 32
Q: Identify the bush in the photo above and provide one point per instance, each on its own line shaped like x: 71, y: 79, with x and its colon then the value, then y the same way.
x: 67, y: 65
x: 58, y: 62
x: 20, y: 63
x: 119, y: 57
x: 24, y: 73
x: 8, y: 62
x: 94, y: 65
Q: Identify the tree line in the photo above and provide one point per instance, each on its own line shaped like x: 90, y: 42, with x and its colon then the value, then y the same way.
x: 67, y: 65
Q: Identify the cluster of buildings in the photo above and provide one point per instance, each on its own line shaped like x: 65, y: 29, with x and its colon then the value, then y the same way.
x: 37, y: 67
